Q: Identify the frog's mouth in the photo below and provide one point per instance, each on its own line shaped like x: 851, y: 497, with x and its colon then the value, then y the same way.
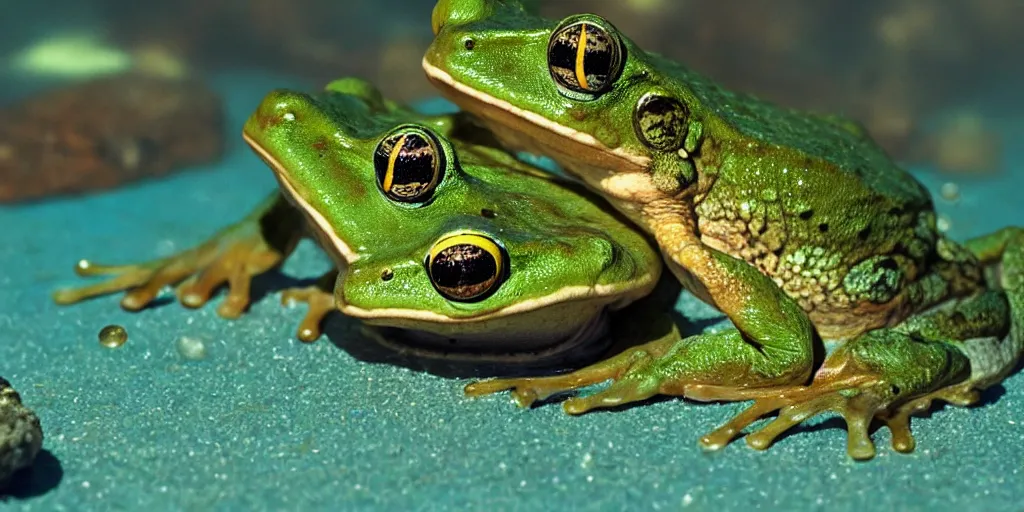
x: 511, y: 123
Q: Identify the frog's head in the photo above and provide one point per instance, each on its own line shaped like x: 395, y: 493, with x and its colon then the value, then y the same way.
x: 446, y: 240
x: 575, y: 88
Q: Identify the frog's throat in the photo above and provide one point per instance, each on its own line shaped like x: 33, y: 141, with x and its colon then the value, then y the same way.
x: 324, y: 230
x: 582, y: 346
x: 496, y: 109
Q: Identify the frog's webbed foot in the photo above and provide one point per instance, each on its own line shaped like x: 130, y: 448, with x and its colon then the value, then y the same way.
x: 320, y: 301
x: 858, y: 401
x: 232, y: 257
x: 886, y: 374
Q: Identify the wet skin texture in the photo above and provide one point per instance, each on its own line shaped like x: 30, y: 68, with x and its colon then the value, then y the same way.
x: 546, y: 260
x: 795, y: 225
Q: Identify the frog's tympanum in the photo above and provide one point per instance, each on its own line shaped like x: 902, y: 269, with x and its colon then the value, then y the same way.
x: 790, y: 223
x: 451, y: 247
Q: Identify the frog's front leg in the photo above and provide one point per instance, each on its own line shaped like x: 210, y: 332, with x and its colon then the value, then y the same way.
x: 771, y: 345
x: 233, y: 256
x: 320, y: 302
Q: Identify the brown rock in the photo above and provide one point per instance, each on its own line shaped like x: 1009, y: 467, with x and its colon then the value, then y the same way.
x: 104, y: 133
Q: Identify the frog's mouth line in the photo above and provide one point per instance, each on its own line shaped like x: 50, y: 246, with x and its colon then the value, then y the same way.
x: 572, y: 293
x: 563, y: 295
x: 337, y: 244
x: 500, y: 107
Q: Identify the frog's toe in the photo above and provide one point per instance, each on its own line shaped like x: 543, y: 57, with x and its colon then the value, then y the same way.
x: 525, y: 391
x: 623, y: 391
x: 320, y: 304
x: 857, y: 411
x: 858, y: 406
x: 123, y: 277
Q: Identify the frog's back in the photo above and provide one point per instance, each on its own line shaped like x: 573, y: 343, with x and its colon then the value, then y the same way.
x: 809, y: 199
x: 832, y: 144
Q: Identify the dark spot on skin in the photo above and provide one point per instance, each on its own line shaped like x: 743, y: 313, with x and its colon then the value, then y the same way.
x: 779, y: 251
x: 469, y: 44
x: 896, y: 211
x: 823, y: 227
x: 578, y: 114
x: 488, y: 213
x: 386, y: 274
x: 321, y: 147
x: 895, y: 389
x: 888, y: 264
x: 958, y: 317
x: 268, y: 121
x: 807, y: 214
x: 864, y: 234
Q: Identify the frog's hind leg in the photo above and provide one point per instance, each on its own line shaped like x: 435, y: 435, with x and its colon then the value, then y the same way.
x: 233, y: 256
x: 775, y: 348
x: 949, y: 354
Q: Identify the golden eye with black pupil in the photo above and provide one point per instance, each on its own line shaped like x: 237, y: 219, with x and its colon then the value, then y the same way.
x: 466, y: 266
x: 409, y: 165
x: 660, y: 122
x: 584, y: 56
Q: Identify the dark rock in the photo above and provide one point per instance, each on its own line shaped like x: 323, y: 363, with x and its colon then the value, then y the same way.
x: 21, y: 436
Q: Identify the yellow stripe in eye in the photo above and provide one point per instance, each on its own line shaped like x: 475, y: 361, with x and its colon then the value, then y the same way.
x: 482, y: 242
x: 581, y: 53
x: 389, y: 177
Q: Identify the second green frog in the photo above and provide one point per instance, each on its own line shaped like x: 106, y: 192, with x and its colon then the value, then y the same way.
x: 447, y: 247
x: 793, y: 224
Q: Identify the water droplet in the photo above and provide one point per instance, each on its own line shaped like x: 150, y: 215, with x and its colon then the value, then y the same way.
x: 113, y: 336
x: 193, y: 349
x: 950, y: 192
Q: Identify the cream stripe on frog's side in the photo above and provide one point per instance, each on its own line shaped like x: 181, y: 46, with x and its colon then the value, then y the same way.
x: 337, y: 244
x: 567, y: 294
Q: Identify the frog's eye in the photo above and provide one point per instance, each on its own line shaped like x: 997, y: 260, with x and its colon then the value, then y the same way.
x: 409, y: 165
x: 466, y: 266
x: 584, y: 56
x: 660, y: 122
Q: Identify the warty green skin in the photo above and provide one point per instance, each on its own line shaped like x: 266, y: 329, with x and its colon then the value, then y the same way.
x: 802, y: 219
x: 570, y: 257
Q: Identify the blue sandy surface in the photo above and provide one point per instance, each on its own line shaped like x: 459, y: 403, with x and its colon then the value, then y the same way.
x: 266, y: 422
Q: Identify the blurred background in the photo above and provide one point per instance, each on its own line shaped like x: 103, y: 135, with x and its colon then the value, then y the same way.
x: 108, y: 91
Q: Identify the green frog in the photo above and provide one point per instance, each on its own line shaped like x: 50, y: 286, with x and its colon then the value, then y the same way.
x: 445, y: 245
x: 795, y: 225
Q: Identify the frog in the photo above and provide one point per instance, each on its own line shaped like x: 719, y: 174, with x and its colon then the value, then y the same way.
x: 444, y: 245
x: 824, y: 255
